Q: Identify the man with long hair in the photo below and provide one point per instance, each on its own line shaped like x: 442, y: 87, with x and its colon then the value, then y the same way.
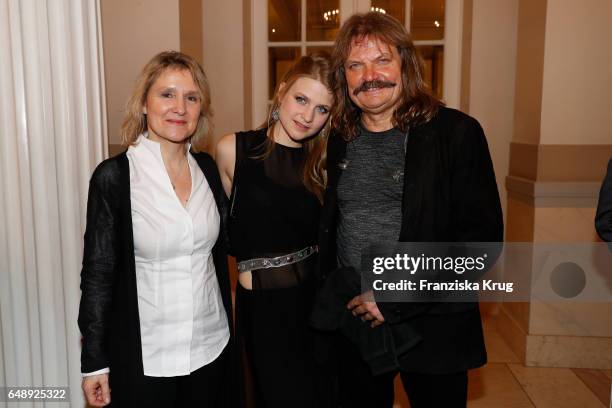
x: 401, y: 166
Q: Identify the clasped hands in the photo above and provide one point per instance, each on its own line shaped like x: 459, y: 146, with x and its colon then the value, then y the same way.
x: 362, y: 306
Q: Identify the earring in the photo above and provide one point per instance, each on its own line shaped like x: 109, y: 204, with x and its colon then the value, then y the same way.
x: 275, y: 115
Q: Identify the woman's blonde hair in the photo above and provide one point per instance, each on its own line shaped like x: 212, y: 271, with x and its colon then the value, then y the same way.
x: 315, y: 66
x: 135, y: 120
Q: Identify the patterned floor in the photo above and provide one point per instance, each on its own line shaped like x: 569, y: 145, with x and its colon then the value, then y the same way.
x: 505, y: 383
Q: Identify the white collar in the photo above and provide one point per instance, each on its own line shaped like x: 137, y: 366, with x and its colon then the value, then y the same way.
x: 155, y: 147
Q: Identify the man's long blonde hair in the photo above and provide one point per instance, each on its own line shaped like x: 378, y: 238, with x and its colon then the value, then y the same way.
x: 417, y: 102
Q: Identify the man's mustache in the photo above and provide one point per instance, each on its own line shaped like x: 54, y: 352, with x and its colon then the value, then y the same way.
x: 377, y: 83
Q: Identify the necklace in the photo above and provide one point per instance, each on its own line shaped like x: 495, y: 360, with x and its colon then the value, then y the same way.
x: 176, y: 177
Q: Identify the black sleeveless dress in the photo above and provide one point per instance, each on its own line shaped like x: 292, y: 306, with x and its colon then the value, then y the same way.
x: 273, y: 214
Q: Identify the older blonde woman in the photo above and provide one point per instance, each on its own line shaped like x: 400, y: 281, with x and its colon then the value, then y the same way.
x: 155, y: 310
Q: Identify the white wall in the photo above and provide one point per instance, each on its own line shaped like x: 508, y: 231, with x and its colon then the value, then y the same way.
x: 577, y: 73
x: 223, y: 62
x: 133, y: 32
x: 493, y: 67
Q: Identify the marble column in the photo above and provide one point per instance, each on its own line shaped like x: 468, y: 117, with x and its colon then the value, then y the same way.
x: 558, y: 157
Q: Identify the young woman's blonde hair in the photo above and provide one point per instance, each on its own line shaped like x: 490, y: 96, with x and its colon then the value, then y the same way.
x: 315, y: 66
x: 135, y: 121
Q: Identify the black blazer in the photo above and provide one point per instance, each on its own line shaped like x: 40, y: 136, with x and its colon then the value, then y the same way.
x: 603, y: 219
x: 449, y: 195
x: 108, y: 312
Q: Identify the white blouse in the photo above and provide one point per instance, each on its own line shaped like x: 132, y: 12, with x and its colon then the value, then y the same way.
x: 183, y: 325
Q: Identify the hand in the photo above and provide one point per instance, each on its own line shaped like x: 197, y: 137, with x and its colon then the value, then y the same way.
x: 366, y: 309
x: 96, y: 390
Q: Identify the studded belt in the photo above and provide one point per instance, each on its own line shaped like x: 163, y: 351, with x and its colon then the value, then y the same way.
x: 262, y: 263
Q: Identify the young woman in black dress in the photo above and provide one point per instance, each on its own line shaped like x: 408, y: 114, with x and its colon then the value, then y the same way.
x: 275, y: 178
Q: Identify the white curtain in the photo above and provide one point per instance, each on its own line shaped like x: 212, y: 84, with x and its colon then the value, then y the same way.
x: 52, y: 134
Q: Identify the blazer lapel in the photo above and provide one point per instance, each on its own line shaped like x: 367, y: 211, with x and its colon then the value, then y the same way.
x: 419, y: 150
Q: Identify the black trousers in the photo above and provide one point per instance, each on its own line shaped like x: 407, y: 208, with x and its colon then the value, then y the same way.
x: 358, y: 387
x: 205, y: 387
